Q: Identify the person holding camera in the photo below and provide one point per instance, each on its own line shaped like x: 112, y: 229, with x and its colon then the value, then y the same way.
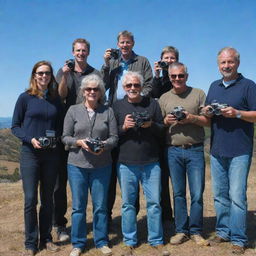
x: 36, y: 122
x: 69, y: 78
x: 232, y: 104
x: 90, y: 132
x: 140, y: 125
x: 181, y: 108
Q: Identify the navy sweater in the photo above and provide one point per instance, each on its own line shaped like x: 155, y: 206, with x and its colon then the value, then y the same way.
x: 33, y: 116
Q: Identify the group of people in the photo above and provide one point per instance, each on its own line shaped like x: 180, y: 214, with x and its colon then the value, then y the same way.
x: 93, y: 128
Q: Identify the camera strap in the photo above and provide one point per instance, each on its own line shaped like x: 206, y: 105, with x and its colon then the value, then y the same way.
x: 91, y: 119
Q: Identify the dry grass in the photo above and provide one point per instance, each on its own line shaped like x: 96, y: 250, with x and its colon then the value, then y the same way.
x: 12, y: 236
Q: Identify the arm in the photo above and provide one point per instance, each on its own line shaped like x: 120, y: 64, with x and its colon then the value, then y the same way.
x: 105, y: 70
x: 62, y: 79
x: 148, y: 78
x: 230, y: 112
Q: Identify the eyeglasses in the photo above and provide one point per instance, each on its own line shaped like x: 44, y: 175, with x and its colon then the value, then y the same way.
x: 175, y: 76
x: 134, y: 85
x: 89, y: 89
x: 40, y: 73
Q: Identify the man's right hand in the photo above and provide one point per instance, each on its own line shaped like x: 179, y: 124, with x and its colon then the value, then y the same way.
x: 169, y: 119
x: 157, y: 69
x: 107, y: 56
x: 128, y: 122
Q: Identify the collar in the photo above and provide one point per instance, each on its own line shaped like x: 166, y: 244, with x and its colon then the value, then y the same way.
x: 240, y: 77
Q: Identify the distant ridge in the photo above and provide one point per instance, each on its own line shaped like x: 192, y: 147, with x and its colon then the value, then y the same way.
x: 5, y: 122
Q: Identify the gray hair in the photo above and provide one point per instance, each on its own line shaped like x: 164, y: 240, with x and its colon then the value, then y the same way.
x: 230, y: 49
x: 170, y: 49
x: 177, y: 65
x: 132, y: 74
x: 125, y: 33
x: 96, y: 79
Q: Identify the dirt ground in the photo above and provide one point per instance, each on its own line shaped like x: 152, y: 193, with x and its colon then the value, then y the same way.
x: 12, y: 228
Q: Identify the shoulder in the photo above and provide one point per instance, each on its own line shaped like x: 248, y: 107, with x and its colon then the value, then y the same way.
x: 141, y: 59
x: 247, y: 82
x: 198, y: 91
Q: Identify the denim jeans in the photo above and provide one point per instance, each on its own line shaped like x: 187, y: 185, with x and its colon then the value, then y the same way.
x: 38, y: 168
x: 187, y: 162
x: 82, y: 180
x: 129, y: 177
x: 229, y: 182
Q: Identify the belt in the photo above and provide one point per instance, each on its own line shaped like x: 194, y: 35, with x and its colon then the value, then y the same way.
x: 186, y: 146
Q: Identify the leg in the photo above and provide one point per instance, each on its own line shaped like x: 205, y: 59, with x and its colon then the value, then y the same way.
x: 178, y: 177
x: 238, y: 174
x: 129, y: 182
x: 151, y: 182
x: 220, y: 186
x: 99, y: 183
x: 196, y: 179
x: 79, y: 184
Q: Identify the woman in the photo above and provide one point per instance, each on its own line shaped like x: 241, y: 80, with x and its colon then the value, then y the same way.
x: 140, y: 126
x: 37, y: 112
x: 89, y: 164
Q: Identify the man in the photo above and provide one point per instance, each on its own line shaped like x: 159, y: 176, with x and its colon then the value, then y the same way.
x: 69, y: 78
x: 140, y: 138
x: 231, y: 148
x: 162, y: 84
x: 185, y: 137
x: 113, y: 71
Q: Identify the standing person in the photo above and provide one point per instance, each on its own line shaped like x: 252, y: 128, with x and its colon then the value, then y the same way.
x: 231, y: 148
x: 69, y: 78
x: 89, y: 168
x: 113, y: 71
x: 140, y: 125
x: 185, y: 140
x: 37, y: 112
x: 161, y: 85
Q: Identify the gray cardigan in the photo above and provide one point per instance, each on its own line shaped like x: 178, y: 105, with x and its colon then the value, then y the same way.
x: 77, y: 126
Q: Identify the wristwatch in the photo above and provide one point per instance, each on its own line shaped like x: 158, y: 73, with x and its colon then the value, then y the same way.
x: 238, y: 114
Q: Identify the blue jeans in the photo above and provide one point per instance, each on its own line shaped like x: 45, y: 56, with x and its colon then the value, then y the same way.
x: 38, y: 169
x: 82, y: 180
x: 229, y: 182
x: 187, y: 162
x: 129, y: 177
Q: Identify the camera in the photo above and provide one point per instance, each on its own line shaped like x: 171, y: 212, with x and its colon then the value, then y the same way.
x: 215, y: 108
x: 114, y: 53
x: 49, y: 140
x: 179, y: 113
x: 95, y: 145
x: 163, y: 64
x: 140, y: 118
x: 71, y: 64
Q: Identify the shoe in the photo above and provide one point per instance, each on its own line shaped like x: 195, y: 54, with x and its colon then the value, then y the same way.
x: 51, y: 247
x: 29, y: 252
x: 218, y: 240
x: 162, y: 250
x: 62, y: 234
x: 128, y: 251
x: 236, y: 249
x: 199, y: 240
x: 76, y: 252
x: 179, y: 238
x: 105, y: 250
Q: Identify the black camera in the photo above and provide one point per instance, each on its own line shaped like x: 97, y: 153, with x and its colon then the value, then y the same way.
x: 140, y: 118
x: 95, y: 145
x: 71, y: 64
x: 49, y: 141
x: 215, y: 108
x: 114, y: 53
x: 179, y: 113
x: 163, y: 64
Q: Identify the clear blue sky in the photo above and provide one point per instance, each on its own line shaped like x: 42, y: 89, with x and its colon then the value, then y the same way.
x: 33, y: 30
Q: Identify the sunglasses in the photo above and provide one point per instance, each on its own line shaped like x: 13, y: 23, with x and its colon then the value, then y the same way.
x: 89, y: 89
x: 134, y: 85
x: 40, y: 73
x: 179, y: 76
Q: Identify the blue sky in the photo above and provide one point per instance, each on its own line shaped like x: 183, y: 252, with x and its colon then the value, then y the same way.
x: 33, y: 30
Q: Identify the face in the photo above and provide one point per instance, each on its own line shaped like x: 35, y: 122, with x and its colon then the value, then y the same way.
x: 80, y: 52
x: 92, y: 92
x: 125, y: 44
x: 43, y: 77
x: 178, y: 77
x: 169, y: 57
x: 133, y: 89
x: 228, y: 65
